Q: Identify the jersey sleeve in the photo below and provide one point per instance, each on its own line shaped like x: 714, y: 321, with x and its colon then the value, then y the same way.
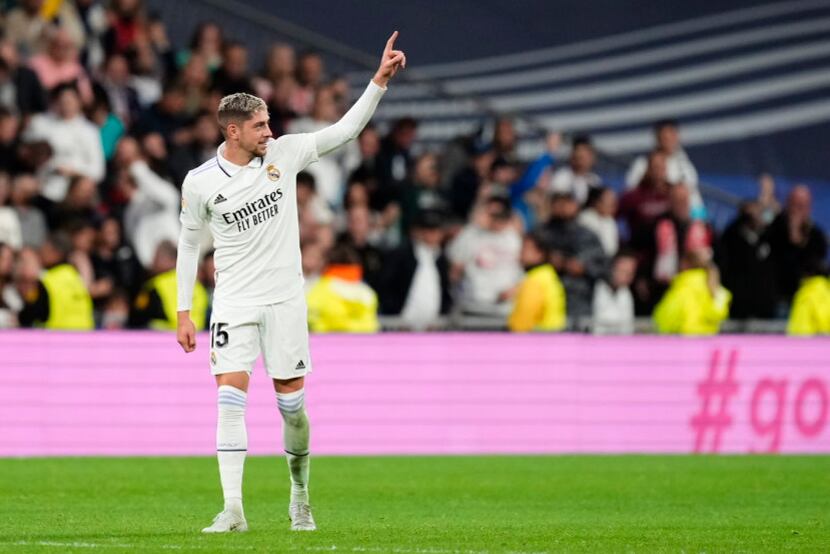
x: 194, y: 212
x: 300, y: 149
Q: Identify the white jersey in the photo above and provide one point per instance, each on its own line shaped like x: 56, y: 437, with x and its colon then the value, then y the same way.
x: 252, y: 212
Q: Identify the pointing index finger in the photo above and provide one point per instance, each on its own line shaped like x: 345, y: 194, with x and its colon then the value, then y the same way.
x: 390, y: 43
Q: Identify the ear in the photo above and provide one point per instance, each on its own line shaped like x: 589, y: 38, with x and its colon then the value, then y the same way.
x: 232, y: 131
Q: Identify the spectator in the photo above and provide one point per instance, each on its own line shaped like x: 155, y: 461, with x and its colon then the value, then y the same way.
x: 314, y: 262
x: 810, y: 314
x: 94, y: 19
x: 109, y: 125
x: 340, y: 302
x: 794, y: 239
x: 232, y: 76
x: 195, y: 80
x: 280, y: 65
x: 696, y: 303
x: 127, y: 26
x: 205, y: 138
x: 525, y: 194
x: 208, y: 42
x: 598, y: 217
x: 613, y: 306
x: 28, y: 24
x: 743, y: 256
x: 415, y: 282
x: 467, y: 183
x: 315, y: 216
x: 80, y: 205
x: 167, y: 117
x: 679, y: 169
x: 578, y: 177
x: 504, y: 140
x: 116, y: 312
x: 640, y: 207
x: 358, y: 236
x: 149, y: 67
x: 423, y: 191
x: 9, y: 140
x: 115, y: 260
x: 676, y: 233
x: 33, y: 227
x: 576, y: 254
x: 540, y: 303
x: 770, y: 207
x: 10, y: 301
x: 395, y: 158
x: 59, y: 65
x: 59, y: 299
x: 280, y: 107
x: 83, y: 235
x: 20, y: 88
x: 115, y: 83
x: 309, y: 79
x: 9, y: 223
x: 155, y: 306
x: 152, y: 213
x: 75, y: 142
x: 485, y: 260
x: 157, y: 157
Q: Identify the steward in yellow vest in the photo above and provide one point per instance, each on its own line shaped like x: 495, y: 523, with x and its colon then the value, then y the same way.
x: 155, y: 306
x: 60, y: 300
x: 810, y: 313
x: 340, y: 302
x: 539, y: 304
x: 696, y: 303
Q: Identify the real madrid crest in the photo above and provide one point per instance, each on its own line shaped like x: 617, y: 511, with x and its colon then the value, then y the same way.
x: 213, y: 358
x: 272, y: 172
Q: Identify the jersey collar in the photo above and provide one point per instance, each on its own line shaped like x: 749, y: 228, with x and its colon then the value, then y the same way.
x: 229, y: 168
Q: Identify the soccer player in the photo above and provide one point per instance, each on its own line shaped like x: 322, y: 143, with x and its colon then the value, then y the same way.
x: 247, y: 196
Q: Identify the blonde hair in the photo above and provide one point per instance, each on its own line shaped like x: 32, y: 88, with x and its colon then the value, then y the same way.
x: 238, y: 107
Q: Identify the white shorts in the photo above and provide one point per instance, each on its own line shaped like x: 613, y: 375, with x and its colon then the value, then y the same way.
x: 279, y: 331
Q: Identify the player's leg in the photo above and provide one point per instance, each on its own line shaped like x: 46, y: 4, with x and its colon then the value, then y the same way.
x: 234, y: 348
x: 286, y: 353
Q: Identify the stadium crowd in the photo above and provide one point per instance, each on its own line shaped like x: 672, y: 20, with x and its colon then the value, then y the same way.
x: 101, y: 118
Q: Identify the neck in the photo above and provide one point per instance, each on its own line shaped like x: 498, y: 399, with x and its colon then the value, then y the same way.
x: 236, y: 155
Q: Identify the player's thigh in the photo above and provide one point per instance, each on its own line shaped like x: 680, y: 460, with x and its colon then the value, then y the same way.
x: 285, y: 339
x: 234, y: 339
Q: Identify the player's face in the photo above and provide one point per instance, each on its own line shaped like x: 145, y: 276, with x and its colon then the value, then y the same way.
x: 254, y: 133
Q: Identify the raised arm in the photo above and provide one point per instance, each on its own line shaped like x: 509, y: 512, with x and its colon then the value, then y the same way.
x: 354, y: 120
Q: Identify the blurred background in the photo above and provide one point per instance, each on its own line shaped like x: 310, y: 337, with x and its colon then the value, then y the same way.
x: 534, y: 168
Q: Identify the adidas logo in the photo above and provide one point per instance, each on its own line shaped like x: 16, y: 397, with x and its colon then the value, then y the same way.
x: 219, y: 198
x: 300, y: 365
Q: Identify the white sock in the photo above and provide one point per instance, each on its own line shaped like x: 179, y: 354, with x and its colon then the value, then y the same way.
x: 231, y: 444
x: 295, y: 441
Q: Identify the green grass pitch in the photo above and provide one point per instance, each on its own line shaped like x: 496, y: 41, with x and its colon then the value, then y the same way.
x: 426, y: 505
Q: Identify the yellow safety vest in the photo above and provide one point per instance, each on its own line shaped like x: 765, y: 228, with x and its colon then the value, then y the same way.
x: 165, y: 285
x: 70, y: 305
x: 339, y: 306
x: 540, y: 302
x: 810, y: 314
x: 689, y: 308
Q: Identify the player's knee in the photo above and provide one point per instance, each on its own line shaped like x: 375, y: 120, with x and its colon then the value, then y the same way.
x: 292, y: 406
x: 231, y: 401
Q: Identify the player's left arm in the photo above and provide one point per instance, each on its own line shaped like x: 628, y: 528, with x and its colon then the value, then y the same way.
x: 350, y: 125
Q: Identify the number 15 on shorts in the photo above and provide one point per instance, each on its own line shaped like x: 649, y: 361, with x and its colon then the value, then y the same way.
x: 218, y: 336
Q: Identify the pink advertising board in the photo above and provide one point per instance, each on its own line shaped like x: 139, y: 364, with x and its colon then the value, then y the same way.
x: 138, y: 394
